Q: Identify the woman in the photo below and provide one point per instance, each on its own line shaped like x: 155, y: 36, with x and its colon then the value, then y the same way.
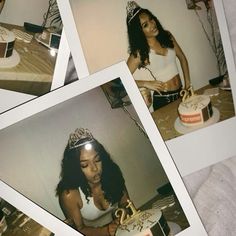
x: 91, y: 186
x: 155, y: 49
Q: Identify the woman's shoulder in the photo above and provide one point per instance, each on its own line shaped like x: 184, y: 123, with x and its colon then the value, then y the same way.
x: 133, y: 62
x: 70, y: 195
x: 135, y: 56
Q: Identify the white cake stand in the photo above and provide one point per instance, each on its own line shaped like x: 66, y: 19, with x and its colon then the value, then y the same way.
x: 186, y: 129
x: 174, y: 228
x: 11, y: 61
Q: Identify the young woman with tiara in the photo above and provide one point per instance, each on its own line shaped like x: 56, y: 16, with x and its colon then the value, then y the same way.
x: 155, y: 49
x: 91, y: 186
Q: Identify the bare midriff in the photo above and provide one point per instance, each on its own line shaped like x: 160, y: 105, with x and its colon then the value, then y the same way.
x: 173, y: 84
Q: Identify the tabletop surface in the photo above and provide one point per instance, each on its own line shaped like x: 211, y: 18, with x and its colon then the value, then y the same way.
x: 18, y: 224
x: 36, y: 63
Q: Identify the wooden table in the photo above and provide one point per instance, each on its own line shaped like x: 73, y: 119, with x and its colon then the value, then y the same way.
x: 17, y: 227
x: 34, y: 74
x: 165, y: 117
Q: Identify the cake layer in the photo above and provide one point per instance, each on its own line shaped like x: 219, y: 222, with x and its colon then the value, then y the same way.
x: 7, y: 40
x: 195, y: 110
x: 148, y: 222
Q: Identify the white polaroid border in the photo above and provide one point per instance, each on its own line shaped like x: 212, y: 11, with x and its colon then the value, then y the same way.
x: 35, y: 212
x: 121, y: 71
x: 211, y: 144
x: 61, y: 63
x: 73, y: 39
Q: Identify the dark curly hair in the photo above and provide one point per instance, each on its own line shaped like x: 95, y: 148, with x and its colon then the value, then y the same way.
x: 137, y: 40
x: 72, y: 177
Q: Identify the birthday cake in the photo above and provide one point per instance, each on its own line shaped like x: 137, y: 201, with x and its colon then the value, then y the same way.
x: 150, y: 222
x: 7, y: 40
x: 195, y: 110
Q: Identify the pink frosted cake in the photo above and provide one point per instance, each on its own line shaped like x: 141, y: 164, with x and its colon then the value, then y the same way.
x: 195, y: 110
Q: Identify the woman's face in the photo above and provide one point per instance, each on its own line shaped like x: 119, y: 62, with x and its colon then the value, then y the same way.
x: 148, y: 25
x: 91, y: 165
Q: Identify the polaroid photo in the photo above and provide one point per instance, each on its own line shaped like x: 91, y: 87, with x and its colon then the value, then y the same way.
x: 198, y: 37
x: 124, y: 174
x: 20, y: 216
x: 29, y: 51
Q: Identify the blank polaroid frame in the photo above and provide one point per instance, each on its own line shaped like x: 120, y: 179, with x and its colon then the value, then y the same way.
x: 214, y: 143
x: 35, y: 212
x: 67, y: 93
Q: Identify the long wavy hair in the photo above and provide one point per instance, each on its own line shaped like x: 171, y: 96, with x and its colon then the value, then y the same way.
x: 72, y: 177
x: 137, y: 40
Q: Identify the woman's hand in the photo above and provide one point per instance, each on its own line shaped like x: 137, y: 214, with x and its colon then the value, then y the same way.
x: 155, y: 85
x: 187, y: 84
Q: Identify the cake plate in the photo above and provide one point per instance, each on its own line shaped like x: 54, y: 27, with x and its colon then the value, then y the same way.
x: 179, y: 127
x: 11, y: 61
x: 174, y: 228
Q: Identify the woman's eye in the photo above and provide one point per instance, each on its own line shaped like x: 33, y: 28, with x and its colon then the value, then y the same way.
x: 84, y: 165
x: 97, y: 159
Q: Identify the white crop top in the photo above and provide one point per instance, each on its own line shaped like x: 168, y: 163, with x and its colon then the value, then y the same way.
x: 163, y: 68
x: 91, y: 213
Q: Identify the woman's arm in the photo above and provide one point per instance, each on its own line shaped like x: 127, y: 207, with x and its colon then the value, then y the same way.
x: 71, y: 203
x: 155, y: 85
x: 183, y: 63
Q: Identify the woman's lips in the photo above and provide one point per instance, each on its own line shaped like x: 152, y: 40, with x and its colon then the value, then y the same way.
x: 97, y: 177
x: 154, y: 30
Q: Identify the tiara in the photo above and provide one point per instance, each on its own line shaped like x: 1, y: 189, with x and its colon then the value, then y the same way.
x: 75, y: 139
x: 131, y: 6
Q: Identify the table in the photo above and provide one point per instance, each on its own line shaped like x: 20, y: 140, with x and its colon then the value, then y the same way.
x: 34, y: 74
x: 21, y: 225
x: 165, y: 117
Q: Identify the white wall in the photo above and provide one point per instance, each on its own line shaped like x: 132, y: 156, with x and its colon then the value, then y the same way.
x: 230, y: 6
x: 31, y: 150
x: 102, y: 30
x: 17, y: 12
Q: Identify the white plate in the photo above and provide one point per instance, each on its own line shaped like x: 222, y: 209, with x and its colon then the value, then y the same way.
x: 174, y: 228
x: 179, y: 127
x: 11, y: 61
x: 225, y: 88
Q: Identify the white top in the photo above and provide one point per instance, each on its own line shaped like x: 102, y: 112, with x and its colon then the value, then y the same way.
x: 92, y: 215
x: 162, y: 67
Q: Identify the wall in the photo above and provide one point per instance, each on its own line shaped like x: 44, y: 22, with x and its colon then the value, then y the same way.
x: 102, y: 29
x: 230, y: 6
x: 31, y: 150
x: 18, y: 12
